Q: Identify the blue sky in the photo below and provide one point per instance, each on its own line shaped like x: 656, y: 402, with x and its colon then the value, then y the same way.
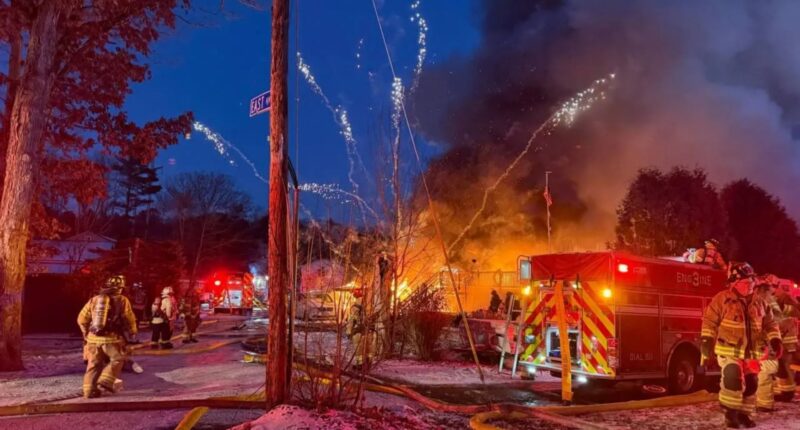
x: 213, y: 70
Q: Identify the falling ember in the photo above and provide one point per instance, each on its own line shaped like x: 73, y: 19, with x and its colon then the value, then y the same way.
x: 564, y: 115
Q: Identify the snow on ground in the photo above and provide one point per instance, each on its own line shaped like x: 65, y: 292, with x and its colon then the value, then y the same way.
x: 380, y: 412
x: 704, y: 416
x: 447, y: 373
x: 437, y: 373
x: 59, y: 374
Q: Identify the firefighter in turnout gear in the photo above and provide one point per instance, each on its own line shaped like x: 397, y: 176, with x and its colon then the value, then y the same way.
x: 737, y: 326
x: 190, y: 310
x: 106, y: 321
x: 362, y: 334
x: 783, y: 307
x: 709, y: 255
x: 165, y: 311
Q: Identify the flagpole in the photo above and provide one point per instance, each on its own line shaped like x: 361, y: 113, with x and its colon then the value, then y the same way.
x: 547, y: 190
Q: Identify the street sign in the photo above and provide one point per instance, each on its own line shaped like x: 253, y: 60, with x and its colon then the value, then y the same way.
x: 259, y: 104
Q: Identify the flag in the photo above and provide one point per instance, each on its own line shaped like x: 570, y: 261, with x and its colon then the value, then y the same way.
x: 547, y: 197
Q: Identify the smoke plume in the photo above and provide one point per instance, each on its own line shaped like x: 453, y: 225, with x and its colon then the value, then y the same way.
x: 712, y: 84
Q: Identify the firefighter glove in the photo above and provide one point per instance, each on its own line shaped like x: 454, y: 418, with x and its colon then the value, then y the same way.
x: 777, y: 347
x: 706, y: 348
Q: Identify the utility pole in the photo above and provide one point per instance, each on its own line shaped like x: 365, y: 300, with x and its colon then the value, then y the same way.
x: 277, y: 345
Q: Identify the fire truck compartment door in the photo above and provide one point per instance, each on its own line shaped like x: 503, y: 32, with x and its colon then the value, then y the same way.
x: 640, y: 343
x: 233, y: 298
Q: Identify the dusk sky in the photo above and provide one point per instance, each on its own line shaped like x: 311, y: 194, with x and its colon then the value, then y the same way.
x: 213, y: 70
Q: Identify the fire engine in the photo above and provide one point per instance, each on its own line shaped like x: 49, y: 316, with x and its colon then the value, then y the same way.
x: 233, y: 292
x: 629, y: 317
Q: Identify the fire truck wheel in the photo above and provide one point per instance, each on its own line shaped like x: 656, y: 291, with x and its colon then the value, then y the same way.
x: 683, y: 376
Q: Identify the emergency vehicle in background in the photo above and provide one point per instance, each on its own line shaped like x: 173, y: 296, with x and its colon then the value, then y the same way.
x: 628, y: 317
x: 232, y: 292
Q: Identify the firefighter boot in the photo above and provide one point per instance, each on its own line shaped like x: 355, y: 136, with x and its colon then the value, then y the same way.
x: 732, y: 418
x: 166, y: 345
x: 785, y: 396
x: 95, y: 393
x: 745, y: 421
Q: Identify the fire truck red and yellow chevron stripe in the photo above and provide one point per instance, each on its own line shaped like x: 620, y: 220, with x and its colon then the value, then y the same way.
x: 596, y: 324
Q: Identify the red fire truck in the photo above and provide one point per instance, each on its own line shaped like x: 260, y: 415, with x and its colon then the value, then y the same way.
x: 629, y: 317
x: 232, y: 292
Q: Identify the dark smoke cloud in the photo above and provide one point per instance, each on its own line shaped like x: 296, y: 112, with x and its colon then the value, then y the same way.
x: 713, y: 84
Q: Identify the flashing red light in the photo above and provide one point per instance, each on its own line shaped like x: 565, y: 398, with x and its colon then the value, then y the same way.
x: 622, y: 268
x: 217, y: 282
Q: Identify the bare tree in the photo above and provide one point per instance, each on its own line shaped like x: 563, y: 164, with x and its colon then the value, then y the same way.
x: 209, y: 212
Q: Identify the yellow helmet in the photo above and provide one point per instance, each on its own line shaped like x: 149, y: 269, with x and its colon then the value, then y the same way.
x: 116, y: 281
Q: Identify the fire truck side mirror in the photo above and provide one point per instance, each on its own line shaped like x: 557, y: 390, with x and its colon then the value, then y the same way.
x: 524, y: 270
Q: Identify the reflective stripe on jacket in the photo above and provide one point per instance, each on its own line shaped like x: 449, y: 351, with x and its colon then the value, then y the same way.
x: 740, y: 326
x: 784, y: 311
x: 127, y: 316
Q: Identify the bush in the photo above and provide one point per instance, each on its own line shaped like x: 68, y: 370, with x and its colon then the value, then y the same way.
x: 425, y: 329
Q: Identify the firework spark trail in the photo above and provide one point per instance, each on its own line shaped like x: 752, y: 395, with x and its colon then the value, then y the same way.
x: 359, y: 48
x: 216, y: 140
x: 422, y: 42
x: 334, y: 192
x: 565, y: 115
x: 223, y: 146
x: 397, y: 111
x: 340, y: 116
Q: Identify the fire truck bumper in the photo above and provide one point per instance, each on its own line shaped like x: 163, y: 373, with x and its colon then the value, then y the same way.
x: 556, y: 367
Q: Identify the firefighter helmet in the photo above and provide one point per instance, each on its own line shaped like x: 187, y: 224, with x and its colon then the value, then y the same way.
x: 739, y: 271
x: 117, y: 281
x: 769, y: 279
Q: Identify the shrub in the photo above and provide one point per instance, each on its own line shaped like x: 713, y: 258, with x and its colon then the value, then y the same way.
x: 425, y: 329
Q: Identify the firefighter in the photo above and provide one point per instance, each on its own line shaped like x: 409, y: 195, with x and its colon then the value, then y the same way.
x: 786, y: 308
x: 361, y: 334
x: 709, y: 255
x: 495, y: 302
x: 736, y: 324
x: 165, y: 311
x: 105, y: 321
x: 765, y: 398
x: 190, y: 311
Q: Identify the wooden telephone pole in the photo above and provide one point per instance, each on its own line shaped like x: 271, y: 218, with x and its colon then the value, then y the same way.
x: 278, y: 262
